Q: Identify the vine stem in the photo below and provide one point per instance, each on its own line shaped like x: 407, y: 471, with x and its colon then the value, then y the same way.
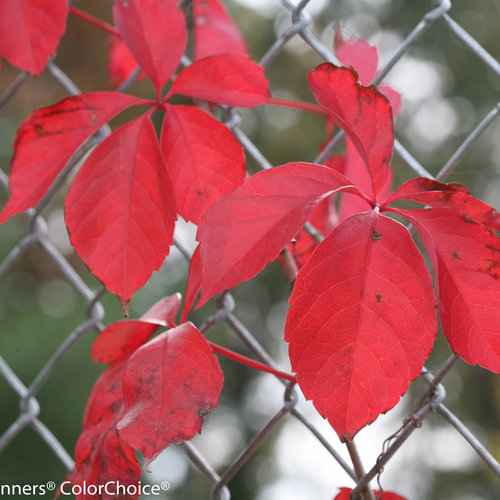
x: 304, y: 106
x: 251, y: 362
x: 93, y: 20
x: 359, y: 469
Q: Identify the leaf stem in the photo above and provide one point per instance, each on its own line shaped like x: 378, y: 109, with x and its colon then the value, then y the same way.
x: 304, y: 106
x: 288, y: 265
x: 96, y: 22
x: 358, y: 468
x: 251, y: 362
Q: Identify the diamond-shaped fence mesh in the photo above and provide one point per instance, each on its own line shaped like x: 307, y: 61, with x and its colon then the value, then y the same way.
x: 264, y: 441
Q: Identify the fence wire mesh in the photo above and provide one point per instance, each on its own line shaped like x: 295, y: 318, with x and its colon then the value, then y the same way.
x: 35, y: 238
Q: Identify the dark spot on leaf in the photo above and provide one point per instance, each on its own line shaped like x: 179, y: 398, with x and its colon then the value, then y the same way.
x: 40, y: 130
x: 376, y: 236
x: 200, y: 193
x: 455, y: 255
x: 115, y: 406
x: 493, y: 269
x: 378, y: 297
x: 203, y: 411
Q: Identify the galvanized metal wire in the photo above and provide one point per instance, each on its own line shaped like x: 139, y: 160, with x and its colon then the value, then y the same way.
x: 36, y: 236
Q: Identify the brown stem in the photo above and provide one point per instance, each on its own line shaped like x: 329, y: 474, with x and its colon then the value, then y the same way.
x: 359, y: 469
x: 288, y: 265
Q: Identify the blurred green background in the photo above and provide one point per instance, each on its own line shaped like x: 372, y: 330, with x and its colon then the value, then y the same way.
x: 446, y: 91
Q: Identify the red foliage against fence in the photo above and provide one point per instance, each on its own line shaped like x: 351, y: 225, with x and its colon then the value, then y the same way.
x: 362, y: 316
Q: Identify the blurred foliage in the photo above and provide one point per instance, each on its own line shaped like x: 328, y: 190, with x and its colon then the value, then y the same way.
x: 38, y: 308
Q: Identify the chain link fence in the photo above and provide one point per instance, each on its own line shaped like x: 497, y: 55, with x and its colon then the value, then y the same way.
x: 298, y: 30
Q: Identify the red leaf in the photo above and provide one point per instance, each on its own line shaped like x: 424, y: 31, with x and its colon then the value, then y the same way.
x: 454, y: 196
x: 203, y: 157
x: 355, y: 170
x: 105, y: 400
x: 155, y: 32
x: 361, y: 321
x: 120, y: 210
x: 100, y: 454
x: 193, y: 283
x: 163, y: 313
x: 363, y: 57
x: 230, y: 79
x: 249, y: 227
x: 323, y: 218
x: 215, y: 31
x: 358, y: 54
x: 363, y: 112
x: 121, y: 63
x: 394, y: 98
x: 120, y: 339
x: 48, y: 138
x: 30, y: 31
x: 388, y: 495
x: 169, y: 385
x: 102, y: 459
x: 466, y: 258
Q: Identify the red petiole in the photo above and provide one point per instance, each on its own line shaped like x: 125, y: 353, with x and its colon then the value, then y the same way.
x: 251, y: 363
x: 304, y: 106
x: 93, y: 20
